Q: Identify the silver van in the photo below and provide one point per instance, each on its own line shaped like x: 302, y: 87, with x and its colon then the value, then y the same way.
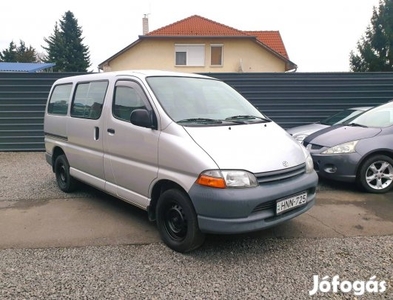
x: 188, y: 149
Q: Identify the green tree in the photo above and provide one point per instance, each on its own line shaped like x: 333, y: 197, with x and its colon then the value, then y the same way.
x: 375, y: 48
x: 25, y: 54
x: 65, y: 46
x: 9, y: 55
x: 19, y: 54
x: 55, y: 50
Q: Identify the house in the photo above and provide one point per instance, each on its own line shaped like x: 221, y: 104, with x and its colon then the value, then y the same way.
x: 200, y: 45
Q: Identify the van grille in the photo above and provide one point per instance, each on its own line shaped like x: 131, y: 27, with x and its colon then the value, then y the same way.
x: 281, y: 174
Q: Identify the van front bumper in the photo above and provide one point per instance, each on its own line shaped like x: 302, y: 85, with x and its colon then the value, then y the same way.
x: 229, y: 211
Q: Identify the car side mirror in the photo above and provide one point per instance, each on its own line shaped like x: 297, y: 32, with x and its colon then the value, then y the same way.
x: 143, y: 118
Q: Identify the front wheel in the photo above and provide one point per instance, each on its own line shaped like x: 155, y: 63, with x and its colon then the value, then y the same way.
x: 177, y: 221
x: 62, y: 170
x: 376, y: 174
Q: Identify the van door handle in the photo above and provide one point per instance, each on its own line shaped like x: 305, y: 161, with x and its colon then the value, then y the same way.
x: 96, y: 133
x: 111, y: 130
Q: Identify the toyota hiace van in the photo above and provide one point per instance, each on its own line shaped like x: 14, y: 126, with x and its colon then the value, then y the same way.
x: 187, y: 148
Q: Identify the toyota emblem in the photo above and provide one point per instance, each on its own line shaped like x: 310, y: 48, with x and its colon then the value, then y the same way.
x: 285, y: 163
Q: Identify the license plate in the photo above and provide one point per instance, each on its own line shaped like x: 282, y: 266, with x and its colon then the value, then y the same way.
x: 290, y: 203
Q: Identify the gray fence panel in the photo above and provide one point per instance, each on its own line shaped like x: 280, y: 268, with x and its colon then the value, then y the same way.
x: 293, y: 99
x: 22, y: 105
x: 290, y: 99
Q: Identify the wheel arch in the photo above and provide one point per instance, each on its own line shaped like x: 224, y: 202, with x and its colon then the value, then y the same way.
x: 57, y: 151
x: 386, y: 152
x: 160, y: 187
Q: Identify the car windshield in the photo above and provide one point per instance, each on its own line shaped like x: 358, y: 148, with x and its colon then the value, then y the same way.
x: 381, y: 116
x: 341, y: 117
x: 202, y: 101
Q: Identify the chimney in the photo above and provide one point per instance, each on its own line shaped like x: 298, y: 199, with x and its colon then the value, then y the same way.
x: 145, y: 24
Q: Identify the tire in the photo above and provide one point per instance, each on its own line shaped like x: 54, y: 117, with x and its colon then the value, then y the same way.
x: 62, y: 171
x: 177, y: 222
x: 376, y: 174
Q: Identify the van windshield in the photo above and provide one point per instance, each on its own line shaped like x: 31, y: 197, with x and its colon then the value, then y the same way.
x: 190, y: 101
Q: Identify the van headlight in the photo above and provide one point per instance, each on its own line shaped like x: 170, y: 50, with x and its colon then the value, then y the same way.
x: 345, y: 148
x: 227, y: 179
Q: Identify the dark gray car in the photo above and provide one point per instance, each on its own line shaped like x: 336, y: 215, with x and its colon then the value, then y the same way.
x: 342, y: 117
x: 361, y: 151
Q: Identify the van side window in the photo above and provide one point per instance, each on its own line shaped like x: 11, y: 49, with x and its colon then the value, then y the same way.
x: 59, y: 100
x: 126, y: 100
x: 88, y: 99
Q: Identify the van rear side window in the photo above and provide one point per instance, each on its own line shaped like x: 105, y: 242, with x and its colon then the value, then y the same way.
x: 88, y: 99
x: 59, y: 100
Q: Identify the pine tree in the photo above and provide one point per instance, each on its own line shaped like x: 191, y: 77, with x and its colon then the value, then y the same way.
x: 9, y: 55
x: 65, y: 46
x: 19, y: 54
x: 25, y: 54
x: 55, y: 50
x: 375, y: 48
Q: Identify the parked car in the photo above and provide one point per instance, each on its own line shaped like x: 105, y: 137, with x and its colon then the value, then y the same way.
x: 361, y: 151
x: 342, y: 117
x: 188, y: 149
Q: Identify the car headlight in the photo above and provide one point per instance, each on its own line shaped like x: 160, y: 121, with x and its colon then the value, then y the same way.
x: 300, y: 137
x: 348, y: 147
x: 227, y: 179
x: 309, y: 162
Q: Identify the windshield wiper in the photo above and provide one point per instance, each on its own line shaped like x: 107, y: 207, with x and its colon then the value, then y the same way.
x: 357, y: 125
x: 200, y: 120
x: 246, y: 117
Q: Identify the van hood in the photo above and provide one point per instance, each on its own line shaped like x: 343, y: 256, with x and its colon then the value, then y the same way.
x: 261, y: 147
x: 334, y: 136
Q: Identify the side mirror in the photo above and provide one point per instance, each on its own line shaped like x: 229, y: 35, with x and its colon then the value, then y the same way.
x: 143, y: 118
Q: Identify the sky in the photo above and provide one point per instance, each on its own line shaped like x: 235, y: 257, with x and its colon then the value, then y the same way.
x: 318, y: 34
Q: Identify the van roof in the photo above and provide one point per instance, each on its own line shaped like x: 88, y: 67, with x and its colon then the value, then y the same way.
x: 137, y: 73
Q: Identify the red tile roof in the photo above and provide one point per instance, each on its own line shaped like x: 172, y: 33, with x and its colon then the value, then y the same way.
x: 196, y: 26
x: 272, y: 39
x: 199, y: 26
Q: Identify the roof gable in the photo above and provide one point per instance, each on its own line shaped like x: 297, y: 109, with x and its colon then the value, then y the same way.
x: 196, y: 26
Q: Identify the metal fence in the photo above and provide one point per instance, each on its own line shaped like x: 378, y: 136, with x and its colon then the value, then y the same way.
x: 290, y: 99
x: 22, y: 104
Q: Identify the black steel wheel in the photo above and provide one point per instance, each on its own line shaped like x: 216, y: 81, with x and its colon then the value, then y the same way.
x: 62, y: 170
x: 376, y: 174
x: 177, y: 221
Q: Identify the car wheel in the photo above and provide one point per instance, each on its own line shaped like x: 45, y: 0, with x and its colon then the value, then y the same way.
x: 62, y: 170
x: 177, y: 221
x: 376, y: 174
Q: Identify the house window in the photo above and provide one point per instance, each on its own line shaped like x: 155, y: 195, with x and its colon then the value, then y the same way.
x: 181, y: 58
x: 216, y: 55
x: 190, y: 55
